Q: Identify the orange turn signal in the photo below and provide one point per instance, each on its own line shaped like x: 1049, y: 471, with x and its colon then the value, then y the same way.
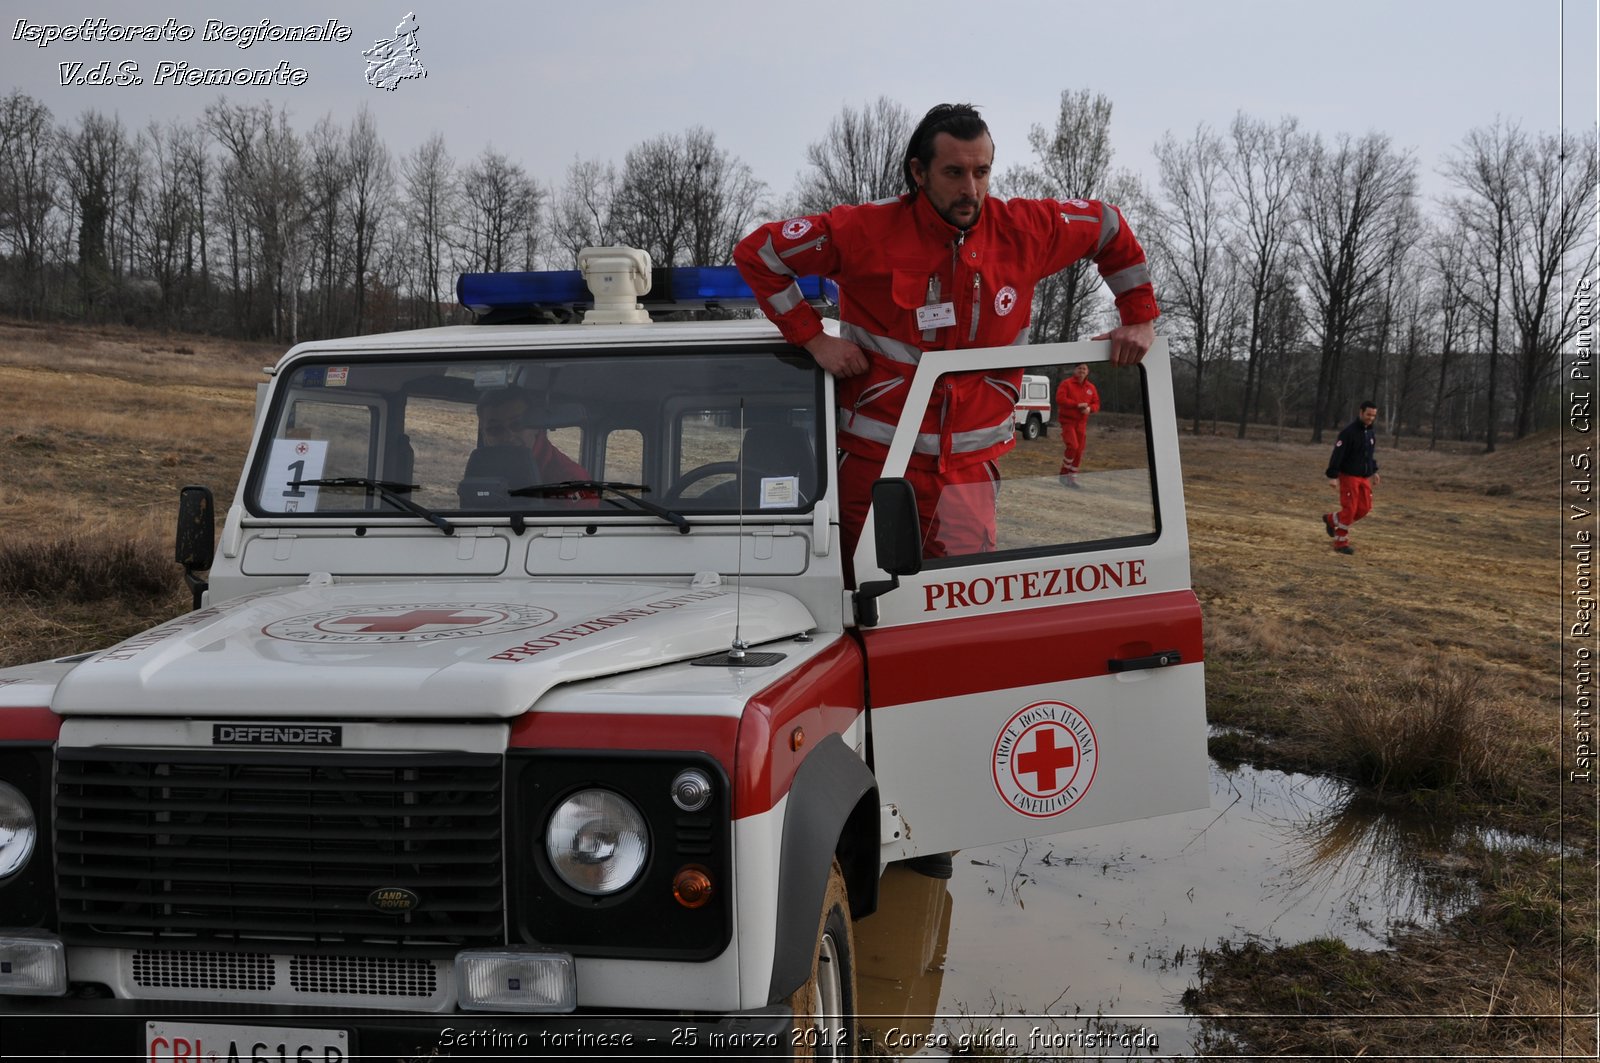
x: 692, y: 887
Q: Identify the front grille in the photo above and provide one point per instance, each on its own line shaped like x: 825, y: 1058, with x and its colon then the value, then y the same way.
x: 258, y: 972
x: 234, y: 849
x: 168, y: 969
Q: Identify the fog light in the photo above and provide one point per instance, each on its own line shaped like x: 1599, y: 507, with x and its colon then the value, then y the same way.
x: 32, y: 964
x: 692, y: 887
x: 691, y: 790
x: 515, y: 980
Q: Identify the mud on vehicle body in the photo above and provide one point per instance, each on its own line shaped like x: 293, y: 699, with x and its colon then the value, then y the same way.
x: 610, y: 763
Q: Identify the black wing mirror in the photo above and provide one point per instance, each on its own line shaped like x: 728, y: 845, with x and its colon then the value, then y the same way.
x: 196, y: 544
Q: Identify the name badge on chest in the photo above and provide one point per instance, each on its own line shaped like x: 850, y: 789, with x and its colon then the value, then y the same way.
x: 939, y: 315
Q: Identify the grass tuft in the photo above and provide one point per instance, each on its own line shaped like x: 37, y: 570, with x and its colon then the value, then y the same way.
x: 1426, y: 729
x: 86, y: 570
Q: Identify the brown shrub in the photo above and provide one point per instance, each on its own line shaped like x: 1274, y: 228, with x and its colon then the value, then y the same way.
x: 87, y: 570
x: 1426, y: 729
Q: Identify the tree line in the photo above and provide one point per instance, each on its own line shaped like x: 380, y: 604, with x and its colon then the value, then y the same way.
x: 1299, y: 273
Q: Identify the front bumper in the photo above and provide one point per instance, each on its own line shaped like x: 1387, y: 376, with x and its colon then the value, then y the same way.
x: 118, y: 1029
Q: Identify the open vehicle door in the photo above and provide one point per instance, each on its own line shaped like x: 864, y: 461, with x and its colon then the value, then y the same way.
x: 1057, y: 681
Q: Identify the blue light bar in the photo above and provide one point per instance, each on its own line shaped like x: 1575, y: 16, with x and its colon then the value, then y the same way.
x: 676, y: 288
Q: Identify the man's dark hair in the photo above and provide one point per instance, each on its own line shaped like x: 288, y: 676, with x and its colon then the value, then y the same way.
x: 1369, y: 405
x: 960, y: 120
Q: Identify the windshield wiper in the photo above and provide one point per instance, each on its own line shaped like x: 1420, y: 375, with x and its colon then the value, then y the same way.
x: 390, y: 491
x: 610, y: 490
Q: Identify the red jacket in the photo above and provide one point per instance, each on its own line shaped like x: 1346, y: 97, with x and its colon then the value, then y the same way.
x: 893, y: 257
x: 1069, y: 393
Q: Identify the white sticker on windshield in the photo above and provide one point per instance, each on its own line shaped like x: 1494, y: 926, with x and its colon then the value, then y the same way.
x: 779, y: 492
x: 293, y: 461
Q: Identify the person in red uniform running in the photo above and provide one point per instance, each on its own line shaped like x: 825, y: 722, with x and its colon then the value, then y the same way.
x: 1076, y: 399
x: 1353, y: 469
x: 943, y: 266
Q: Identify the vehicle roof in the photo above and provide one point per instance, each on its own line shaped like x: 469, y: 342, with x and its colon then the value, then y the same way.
x: 512, y: 337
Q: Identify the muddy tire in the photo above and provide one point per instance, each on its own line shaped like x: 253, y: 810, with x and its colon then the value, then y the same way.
x: 825, y: 1007
x: 1033, y: 427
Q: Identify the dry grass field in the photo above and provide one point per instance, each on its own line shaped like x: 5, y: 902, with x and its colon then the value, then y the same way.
x: 1425, y: 667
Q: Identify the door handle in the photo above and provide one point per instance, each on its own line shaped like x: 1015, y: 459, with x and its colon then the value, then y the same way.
x: 1164, y: 659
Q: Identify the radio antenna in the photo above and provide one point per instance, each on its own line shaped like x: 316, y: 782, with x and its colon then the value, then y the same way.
x: 736, y: 651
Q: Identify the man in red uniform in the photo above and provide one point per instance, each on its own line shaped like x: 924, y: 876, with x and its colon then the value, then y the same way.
x: 940, y: 267
x: 502, y: 416
x: 1076, y: 399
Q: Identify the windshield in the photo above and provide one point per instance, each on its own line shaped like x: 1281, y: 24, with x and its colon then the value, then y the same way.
x: 477, y: 435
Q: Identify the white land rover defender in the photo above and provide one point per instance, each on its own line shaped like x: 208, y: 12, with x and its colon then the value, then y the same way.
x: 607, y: 764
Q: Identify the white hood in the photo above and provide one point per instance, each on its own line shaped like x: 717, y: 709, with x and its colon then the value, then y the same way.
x: 463, y: 650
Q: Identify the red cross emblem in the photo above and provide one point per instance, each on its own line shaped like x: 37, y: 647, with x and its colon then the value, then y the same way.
x: 1045, y: 759
x: 411, y: 621
x: 1005, y: 300
x: 301, y: 448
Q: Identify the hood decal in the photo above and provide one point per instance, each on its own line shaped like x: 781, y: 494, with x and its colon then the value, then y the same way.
x: 408, y: 622
x: 534, y: 647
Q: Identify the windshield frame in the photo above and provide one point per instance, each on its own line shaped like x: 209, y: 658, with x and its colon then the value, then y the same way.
x: 686, y: 378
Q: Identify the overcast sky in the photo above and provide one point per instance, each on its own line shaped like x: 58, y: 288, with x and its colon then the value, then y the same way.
x: 547, y: 82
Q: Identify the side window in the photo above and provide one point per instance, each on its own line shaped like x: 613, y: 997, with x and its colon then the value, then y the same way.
x: 624, y: 459
x: 319, y: 440
x: 1084, y: 481
x: 442, y: 434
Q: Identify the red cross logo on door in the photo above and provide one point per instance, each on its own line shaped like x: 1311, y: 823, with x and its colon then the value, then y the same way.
x: 1045, y: 759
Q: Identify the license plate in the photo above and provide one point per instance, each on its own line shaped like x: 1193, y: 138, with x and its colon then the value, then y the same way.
x: 195, y: 1042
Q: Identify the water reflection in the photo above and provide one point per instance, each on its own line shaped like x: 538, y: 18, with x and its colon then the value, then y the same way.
x: 1096, y: 932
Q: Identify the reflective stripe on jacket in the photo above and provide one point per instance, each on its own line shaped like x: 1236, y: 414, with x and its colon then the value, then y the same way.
x: 894, y: 257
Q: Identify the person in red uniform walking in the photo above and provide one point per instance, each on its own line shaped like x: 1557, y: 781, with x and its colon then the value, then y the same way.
x: 1353, y: 469
x: 943, y: 266
x: 1076, y: 399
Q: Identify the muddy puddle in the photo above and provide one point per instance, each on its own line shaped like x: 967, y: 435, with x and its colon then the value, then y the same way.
x: 1082, y: 944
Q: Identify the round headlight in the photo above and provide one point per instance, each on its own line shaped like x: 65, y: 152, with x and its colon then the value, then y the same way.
x: 18, y: 829
x: 597, y: 842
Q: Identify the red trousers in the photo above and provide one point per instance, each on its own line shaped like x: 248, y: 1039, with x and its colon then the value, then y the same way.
x: 1355, y: 502
x: 1072, y: 443
x: 955, y: 507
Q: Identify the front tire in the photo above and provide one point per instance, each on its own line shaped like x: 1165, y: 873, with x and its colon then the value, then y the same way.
x: 825, y: 1007
x: 1033, y: 427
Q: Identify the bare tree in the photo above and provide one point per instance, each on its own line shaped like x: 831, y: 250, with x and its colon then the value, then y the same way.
x: 1263, y: 170
x: 27, y: 191
x: 327, y: 182
x: 1551, y: 235
x: 1189, y: 240
x: 500, y: 203
x: 263, y: 189
x: 1485, y: 169
x: 371, y: 185
x: 94, y: 160
x: 1350, y: 203
x: 684, y: 200
x: 860, y: 160
x: 167, y: 215
x: 431, y: 208
x: 581, y: 216
x: 1072, y: 159
x: 1447, y: 252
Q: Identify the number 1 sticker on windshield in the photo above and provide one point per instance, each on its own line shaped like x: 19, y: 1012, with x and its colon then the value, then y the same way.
x: 291, y: 462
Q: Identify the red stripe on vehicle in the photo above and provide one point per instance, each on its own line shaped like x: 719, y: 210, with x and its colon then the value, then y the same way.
x: 1027, y: 647
x: 822, y: 698
x: 29, y: 725
x: 627, y: 732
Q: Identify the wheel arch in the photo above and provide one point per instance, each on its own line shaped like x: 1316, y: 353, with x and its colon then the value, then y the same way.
x: 831, y: 812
